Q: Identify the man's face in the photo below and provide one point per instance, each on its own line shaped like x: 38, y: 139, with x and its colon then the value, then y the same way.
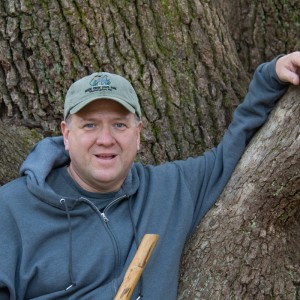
x: 102, y: 140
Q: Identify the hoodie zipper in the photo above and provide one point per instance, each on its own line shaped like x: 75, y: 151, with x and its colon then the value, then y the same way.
x: 114, y: 240
x: 105, y: 219
x: 103, y: 213
x: 110, y: 233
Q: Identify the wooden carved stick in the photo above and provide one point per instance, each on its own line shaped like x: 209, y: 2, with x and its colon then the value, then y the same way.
x: 137, y: 267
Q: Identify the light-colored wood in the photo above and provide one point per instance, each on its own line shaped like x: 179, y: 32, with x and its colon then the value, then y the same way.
x: 137, y: 267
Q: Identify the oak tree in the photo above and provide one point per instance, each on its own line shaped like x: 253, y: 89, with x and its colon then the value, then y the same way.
x: 190, y: 62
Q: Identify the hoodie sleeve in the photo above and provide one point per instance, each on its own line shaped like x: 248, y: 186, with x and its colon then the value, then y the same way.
x: 207, y: 175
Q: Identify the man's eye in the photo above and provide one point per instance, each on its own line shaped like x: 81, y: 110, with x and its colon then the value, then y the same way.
x: 120, y: 125
x: 89, y: 126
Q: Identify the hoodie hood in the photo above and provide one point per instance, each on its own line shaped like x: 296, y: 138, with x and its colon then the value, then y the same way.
x: 49, y: 154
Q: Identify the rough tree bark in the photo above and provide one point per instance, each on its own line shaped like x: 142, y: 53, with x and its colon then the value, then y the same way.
x: 247, y: 246
x: 189, y: 62
x: 15, y: 143
x: 175, y: 54
x: 262, y: 29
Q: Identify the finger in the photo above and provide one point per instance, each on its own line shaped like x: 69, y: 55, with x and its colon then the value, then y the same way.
x: 295, y: 58
x: 293, y: 78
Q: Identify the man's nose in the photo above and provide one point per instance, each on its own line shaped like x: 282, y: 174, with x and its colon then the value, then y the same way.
x: 105, y: 137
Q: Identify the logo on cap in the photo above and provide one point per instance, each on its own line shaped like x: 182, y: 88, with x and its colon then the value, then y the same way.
x: 100, y: 83
x: 100, y: 80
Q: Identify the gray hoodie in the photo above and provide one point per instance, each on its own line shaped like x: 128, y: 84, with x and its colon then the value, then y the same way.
x: 61, y: 242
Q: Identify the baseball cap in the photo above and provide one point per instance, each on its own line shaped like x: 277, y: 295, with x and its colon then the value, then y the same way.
x: 102, y: 85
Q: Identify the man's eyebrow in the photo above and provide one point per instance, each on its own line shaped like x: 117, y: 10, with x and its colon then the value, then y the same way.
x: 85, y: 119
x: 126, y: 117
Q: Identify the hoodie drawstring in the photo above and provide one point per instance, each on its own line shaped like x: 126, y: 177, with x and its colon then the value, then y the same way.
x: 63, y: 201
x: 137, y: 245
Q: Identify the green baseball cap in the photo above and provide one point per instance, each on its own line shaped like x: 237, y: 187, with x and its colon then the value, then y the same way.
x: 101, y: 85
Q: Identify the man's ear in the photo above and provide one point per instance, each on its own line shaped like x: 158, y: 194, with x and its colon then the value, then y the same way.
x: 65, y: 132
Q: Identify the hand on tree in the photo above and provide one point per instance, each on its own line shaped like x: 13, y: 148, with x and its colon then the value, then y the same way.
x: 288, y: 68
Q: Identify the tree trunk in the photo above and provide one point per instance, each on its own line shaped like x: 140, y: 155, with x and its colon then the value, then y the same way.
x: 262, y: 29
x: 180, y: 57
x: 15, y: 143
x: 175, y: 54
x: 189, y: 62
x: 247, y: 246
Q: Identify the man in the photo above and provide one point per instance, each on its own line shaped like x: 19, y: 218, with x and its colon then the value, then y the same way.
x: 71, y: 224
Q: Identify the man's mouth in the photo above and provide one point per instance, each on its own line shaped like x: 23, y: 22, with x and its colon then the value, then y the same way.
x: 106, y: 156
